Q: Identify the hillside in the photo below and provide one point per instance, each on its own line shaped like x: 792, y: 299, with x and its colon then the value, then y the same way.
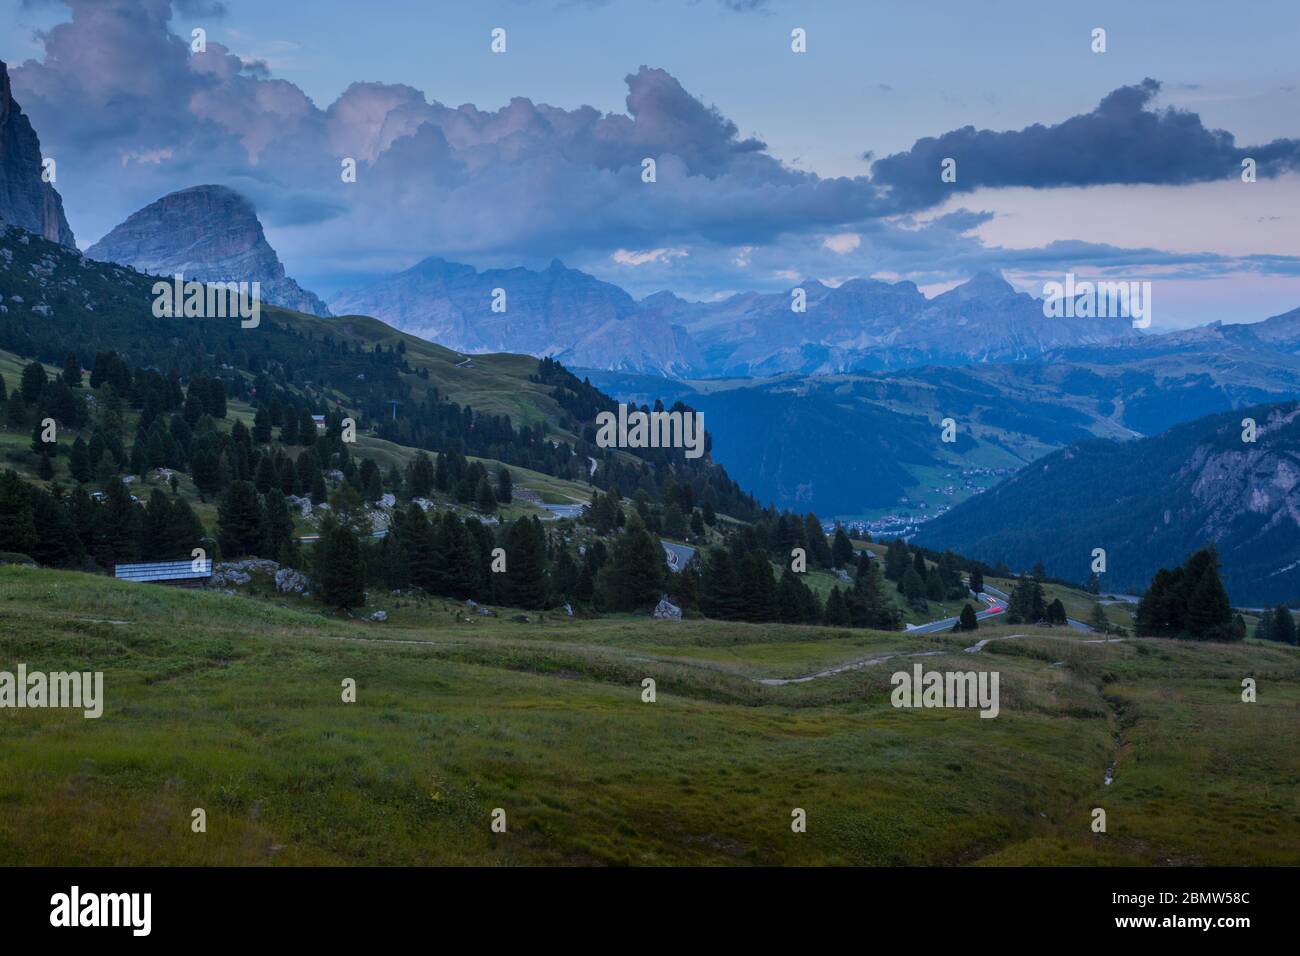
x: 1149, y: 503
x: 233, y: 704
x: 856, y: 446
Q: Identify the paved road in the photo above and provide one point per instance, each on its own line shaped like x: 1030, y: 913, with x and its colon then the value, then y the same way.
x: 993, y: 607
x: 1006, y: 598
x: 677, y: 555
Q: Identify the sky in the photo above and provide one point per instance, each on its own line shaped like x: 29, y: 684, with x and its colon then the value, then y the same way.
x: 771, y: 166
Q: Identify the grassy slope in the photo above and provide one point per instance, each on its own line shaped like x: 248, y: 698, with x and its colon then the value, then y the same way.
x: 15, y: 450
x: 232, y: 704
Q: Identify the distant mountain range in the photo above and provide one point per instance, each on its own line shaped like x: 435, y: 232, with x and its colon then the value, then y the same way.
x: 27, y: 199
x: 1148, y: 503
x: 558, y: 312
x: 205, y: 232
x: 862, y: 324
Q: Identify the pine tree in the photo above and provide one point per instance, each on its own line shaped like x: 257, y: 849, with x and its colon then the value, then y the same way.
x: 239, y: 520
x: 1209, y: 613
x: 819, y: 551
x: 184, y: 531
x: 841, y: 550
x: 277, y: 540
x: 789, y: 599
x: 721, y: 594
x: 914, y: 590
x: 837, y: 612
x: 79, y: 461
x: 1284, y: 629
x: 868, y: 605
x: 505, y: 485
x: 117, y: 534
x: 896, y: 561
x: 154, y: 524
x: 968, y: 620
x: 266, y: 478
x: 1098, y: 622
x: 485, y: 499
x: 262, y: 426
x: 674, y: 521
x: 340, y: 569
x: 1055, y: 612
x: 15, y: 411
x: 758, y: 586
x: 420, y: 476
x: 977, y: 580
x: 17, y: 523
x: 525, y: 577
x: 72, y: 371
x: 634, y: 577
x: 34, y: 381
x: 57, y: 544
x: 289, y: 430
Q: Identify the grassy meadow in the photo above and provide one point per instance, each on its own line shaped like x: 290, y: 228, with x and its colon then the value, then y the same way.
x: 233, y: 704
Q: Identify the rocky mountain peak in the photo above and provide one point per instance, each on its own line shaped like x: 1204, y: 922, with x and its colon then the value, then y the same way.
x: 25, y: 200
x: 207, y: 232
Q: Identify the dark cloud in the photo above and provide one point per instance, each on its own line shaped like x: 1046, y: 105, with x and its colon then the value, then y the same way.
x: 1123, y: 140
x: 134, y: 114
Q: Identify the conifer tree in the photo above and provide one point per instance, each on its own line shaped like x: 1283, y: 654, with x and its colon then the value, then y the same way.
x: 721, y: 594
x: 1284, y: 629
x: 525, y: 578
x: 837, y: 612
x: 17, y: 523
x: 968, y: 621
x: 485, y: 499
x: 239, y: 520
x: 340, y: 569
x: 842, y: 549
x: 634, y: 577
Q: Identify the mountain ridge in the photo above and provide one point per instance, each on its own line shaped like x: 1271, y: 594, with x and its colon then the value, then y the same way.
x: 207, y: 232
x: 27, y: 200
x: 1148, y: 502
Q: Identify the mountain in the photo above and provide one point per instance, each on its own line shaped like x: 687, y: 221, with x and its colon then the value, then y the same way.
x: 1149, y: 503
x: 513, y: 409
x: 25, y: 200
x: 863, y: 324
x: 865, y: 445
x: 205, y: 232
x: 558, y: 312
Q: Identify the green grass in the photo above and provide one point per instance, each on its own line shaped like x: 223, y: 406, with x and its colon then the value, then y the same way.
x: 232, y: 704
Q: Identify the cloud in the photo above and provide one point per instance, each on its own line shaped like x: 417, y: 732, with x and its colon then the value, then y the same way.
x: 131, y: 114
x: 1123, y: 140
x: 843, y: 242
x: 640, y: 257
x: 116, y: 87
